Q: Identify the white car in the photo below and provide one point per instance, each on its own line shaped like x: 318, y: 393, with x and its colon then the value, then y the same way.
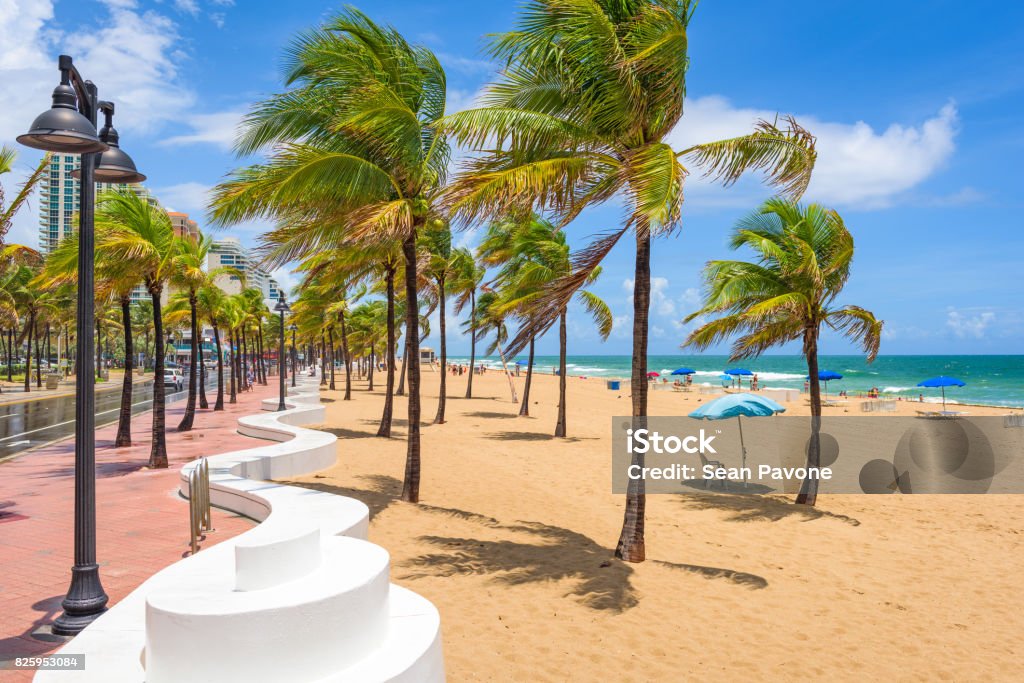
x: 173, y: 380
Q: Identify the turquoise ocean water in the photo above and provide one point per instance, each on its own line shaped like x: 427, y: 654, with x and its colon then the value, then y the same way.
x: 991, y: 380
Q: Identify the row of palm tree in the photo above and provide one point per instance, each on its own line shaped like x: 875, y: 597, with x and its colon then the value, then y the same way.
x: 355, y: 177
x: 357, y: 152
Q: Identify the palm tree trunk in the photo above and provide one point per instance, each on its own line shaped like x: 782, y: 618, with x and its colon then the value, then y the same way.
x: 158, y: 450
x: 263, y: 357
x: 219, y: 404
x: 411, y: 485
x: 560, y: 428
x: 233, y: 359
x: 346, y: 358
x: 330, y: 339
x: 39, y: 365
x: 124, y: 417
x: 631, y: 541
x: 389, y: 390
x: 203, y: 402
x: 10, y: 354
x: 323, y: 359
x: 99, y: 351
x: 472, y: 350
x: 244, y: 378
x: 809, y: 489
x: 193, y: 371
x: 49, y: 357
x: 28, y: 350
x: 524, y: 407
x: 401, y: 375
x: 370, y: 366
x: 442, y: 395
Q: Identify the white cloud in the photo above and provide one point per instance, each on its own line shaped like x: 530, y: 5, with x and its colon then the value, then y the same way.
x: 966, y: 325
x: 190, y: 198
x: 856, y: 163
x: 217, y: 129
x: 218, y: 19
x: 187, y: 6
x: 661, y: 301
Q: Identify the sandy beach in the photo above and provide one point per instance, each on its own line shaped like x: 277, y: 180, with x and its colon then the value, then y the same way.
x: 513, y: 542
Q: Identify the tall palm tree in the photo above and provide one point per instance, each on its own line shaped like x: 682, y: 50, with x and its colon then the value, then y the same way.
x: 118, y: 279
x: 538, y: 257
x: 436, y: 241
x: 467, y: 276
x: 354, y: 153
x: 189, y: 275
x: 210, y: 303
x: 131, y: 231
x: 803, y: 256
x: 580, y: 114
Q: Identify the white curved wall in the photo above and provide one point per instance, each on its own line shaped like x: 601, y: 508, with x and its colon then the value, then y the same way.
x: 302, y: 597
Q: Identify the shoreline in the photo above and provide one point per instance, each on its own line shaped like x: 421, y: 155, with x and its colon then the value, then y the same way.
x: 930, y: 400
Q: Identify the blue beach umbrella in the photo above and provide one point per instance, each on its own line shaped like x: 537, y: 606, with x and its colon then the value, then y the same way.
x: 738, y: 405
x: 737, y: 373
x: 942, y: 382
x: 827, y: 376
x: 725, y: 380
x: 683, y: 371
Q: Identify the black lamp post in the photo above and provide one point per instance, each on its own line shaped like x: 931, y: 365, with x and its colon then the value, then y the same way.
x: 295, y: 352
x: 69, y: 127
x: 282, y: 307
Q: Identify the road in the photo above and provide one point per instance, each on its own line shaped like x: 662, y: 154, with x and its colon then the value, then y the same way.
x: 33, y: 423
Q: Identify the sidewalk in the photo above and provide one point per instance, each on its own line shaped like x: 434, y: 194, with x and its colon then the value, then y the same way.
x: 142, y: 523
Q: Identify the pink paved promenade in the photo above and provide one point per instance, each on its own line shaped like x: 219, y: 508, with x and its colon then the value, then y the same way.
x: 142, y: 523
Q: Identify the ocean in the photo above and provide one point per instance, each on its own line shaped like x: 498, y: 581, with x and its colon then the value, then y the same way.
x: 990, y: 380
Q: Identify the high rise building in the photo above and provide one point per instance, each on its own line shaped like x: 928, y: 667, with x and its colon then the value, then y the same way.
x: 59, y: 200
x: 229, y: 252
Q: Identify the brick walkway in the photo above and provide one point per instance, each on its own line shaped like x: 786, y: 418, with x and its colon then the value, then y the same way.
x: 142, y: 522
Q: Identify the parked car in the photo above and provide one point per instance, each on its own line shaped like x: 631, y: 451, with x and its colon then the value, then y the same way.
x: 173, y: 380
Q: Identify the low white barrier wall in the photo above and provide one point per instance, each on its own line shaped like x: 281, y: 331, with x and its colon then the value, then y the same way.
x: 302, y: 597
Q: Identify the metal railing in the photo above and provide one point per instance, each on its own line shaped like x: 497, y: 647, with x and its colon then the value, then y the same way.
x: 200, y: 520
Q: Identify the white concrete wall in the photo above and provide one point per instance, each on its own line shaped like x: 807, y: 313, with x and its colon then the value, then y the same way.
x: 302, y: 597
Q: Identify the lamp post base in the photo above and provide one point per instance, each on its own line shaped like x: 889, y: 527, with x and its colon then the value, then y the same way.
x: 85, y: 601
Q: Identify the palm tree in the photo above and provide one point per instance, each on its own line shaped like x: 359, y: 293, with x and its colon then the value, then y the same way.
x: 537, y: 255
x: 133, y: 232
x: 189, y: 276
x: 354, y: 152
x: 490, y: 317
x: 803, y: 256
x: 116, y: 279
x: 210, y: 303
x: 467, y: 276
x: 580, y: 114
x: 440, y: 265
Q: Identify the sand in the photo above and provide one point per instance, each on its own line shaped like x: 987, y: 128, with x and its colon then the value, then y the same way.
x: 514, y: 534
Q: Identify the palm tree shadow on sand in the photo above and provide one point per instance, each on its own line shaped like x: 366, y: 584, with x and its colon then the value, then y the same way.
x: 549, y: 554
x: 753, y: 508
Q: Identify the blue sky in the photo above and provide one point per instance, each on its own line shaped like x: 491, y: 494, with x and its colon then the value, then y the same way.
x: 916, y: 106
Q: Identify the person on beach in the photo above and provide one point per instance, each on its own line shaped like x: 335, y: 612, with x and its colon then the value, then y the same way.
x: 753, y: 383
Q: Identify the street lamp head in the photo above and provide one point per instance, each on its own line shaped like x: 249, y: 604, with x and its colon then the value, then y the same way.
x: 282, y: 306
x: 115, y: 166
x: 62, y: 128
x: 293, y: 327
